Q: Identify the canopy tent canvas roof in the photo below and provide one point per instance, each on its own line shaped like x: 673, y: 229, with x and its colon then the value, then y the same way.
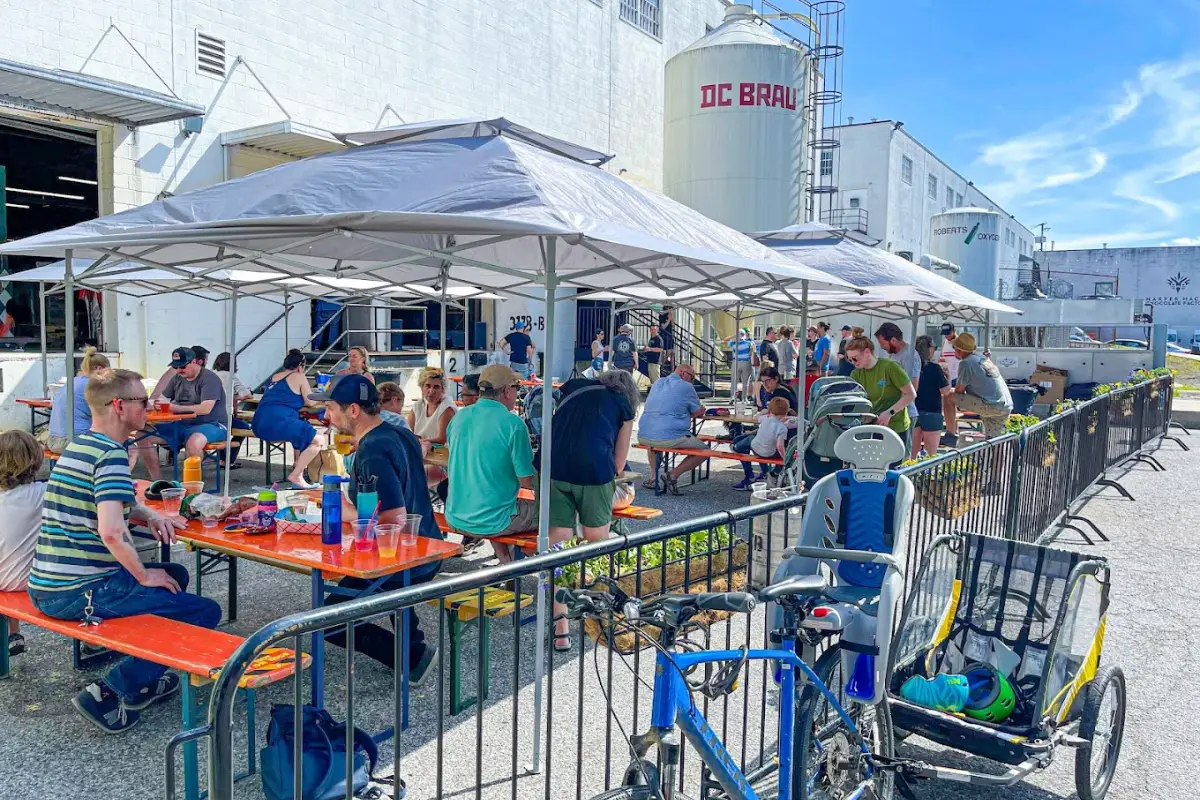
x: 897, y: 288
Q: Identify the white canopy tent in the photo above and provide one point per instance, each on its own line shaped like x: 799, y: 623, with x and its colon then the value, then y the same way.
x: 493, y: 211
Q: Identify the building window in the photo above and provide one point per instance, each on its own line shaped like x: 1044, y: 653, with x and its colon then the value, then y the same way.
x: 826, y: 163
x: 957, y: 200
x: 644, y: 14
x: 906, y: 170
x: 854, y: 202
x: 949, y: 197
x: 932, y: 180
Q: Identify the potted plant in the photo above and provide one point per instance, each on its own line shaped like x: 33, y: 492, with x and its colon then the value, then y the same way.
x: 946, y: 489
x: 1019, y: 422
x: 679, y: 564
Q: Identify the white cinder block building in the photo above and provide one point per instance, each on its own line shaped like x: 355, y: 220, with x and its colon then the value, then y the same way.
x: 890, y: 186
x: 272, y: 80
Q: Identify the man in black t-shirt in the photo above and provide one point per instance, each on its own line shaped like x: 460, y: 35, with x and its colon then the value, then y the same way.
x: 520, y: 350
x: 652, y: 354
x: 624, y: 350
x: 766, y: 348
x: 666, y: 325
x: 391, y: 458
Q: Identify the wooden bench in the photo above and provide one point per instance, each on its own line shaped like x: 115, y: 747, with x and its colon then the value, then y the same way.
x: 197, y: 653
x: 50, y: 455
x: 527, y: 542
x: 670, y: 452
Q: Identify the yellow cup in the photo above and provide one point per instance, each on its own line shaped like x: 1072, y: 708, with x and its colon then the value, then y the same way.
x: 344, y: 443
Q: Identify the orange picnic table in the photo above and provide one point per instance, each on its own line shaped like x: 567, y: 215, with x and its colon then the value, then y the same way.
x: 40, y: 406
x: 325, y: 564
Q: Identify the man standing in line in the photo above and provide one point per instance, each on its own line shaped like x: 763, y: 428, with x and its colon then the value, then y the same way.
x: 652, y: 355
x: 823, y: 349
x: 766, y: 349
x: 949, y: 361
x: 666, y: 325
x: 844, y: 367
x: 741, y: 348
x: 891, y: 341
x: 520, y: 349
x: 624, y: 349
x: 787, y: 352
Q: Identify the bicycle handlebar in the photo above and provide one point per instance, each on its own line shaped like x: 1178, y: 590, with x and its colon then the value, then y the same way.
x: 581, y: 602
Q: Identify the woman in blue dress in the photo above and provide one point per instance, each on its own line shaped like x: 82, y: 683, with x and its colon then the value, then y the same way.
x: 277, y: 418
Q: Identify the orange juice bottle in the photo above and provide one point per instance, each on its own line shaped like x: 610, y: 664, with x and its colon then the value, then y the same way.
x: 191, y: 469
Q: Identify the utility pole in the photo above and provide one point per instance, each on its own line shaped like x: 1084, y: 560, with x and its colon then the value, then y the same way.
x: 1037, y: 271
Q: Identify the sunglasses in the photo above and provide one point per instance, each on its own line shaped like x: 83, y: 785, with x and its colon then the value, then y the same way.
x: 145, y: 401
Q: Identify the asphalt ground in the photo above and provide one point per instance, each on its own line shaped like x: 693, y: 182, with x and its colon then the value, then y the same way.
x: 47, y: 751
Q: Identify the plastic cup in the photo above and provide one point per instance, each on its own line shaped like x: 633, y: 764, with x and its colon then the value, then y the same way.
x: 193, y: 487
x: 409, y: 528
x: 388, y: 536
x: 298, y: 502
x: 343, y: 443
x: 364, y: 534
x: 171, y: 500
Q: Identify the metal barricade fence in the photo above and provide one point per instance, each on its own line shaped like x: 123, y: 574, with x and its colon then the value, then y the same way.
x: 1011, y: 486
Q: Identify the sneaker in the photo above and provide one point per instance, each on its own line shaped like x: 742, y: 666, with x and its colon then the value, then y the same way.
x: 163, y: 688
x: 949, y: 440
x: 743, y: 485
x: 101, y: 706
x: 417, y: 673
x: 16, y: 644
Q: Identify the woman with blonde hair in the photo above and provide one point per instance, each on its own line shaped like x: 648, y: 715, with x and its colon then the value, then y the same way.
x: 431, y: 414
x: 93, y: 363
x: 358, y: 363
x: 21, y: 509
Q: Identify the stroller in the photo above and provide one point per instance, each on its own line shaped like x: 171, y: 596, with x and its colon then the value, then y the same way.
x: 532, y: 412
x: 835, y: 406
x: 1035, y: 616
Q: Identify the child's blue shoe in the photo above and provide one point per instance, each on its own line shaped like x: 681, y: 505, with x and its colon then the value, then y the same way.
x: 944, y: 692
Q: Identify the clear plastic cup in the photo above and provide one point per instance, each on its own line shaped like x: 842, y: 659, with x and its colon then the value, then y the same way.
x: 364, y: 534
x: 388, y: 536
x: 298, y: 502
x: 213, y: 517
x: 171, y: 500
x: 410, y: 526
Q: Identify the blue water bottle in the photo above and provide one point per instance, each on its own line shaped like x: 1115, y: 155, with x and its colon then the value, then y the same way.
x: 367, y: 498
x: 331, y: 509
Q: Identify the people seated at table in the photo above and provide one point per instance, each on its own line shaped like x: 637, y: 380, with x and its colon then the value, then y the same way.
x: 21, y: 499
x: 431, y: 414
x: 240, y: 392
x: 490, y: 460
x: 358, y: 362
x: 390, y: 457
x: 887, y: 385
x: 591, y: 431
x: 277, y: 418
x: 93, y: 364
x: 769, y: 441
x: 86, y: 561
x: 468, y: 391
x: 194, y: 390
x: 772, y: 387
x: 201, y: 357
x: 667, y: 422
x: 981, y: 388
x: 391, y: 404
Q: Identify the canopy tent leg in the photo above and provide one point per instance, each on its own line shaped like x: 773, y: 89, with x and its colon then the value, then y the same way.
x: 69, y: 345
x: 45, y: 354
x: 802, y: 358
x: 987, y: 332
x: 442, y: 338
x: 543, y: 498
x: 232, y: 404
x: 286, y: 344
x: 612, y: 329
x: 733, y: 363
x: 916, y: 321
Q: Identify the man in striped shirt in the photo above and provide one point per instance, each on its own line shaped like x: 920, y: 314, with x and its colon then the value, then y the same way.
x: 86, y: 564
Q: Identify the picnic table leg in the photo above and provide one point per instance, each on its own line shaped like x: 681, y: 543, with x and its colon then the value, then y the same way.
x: 233, y: 588
x: 318, y: 644
x: 3, y: 647
x: 251, y: 742
x: 404, y: 576
x: 191, y: 761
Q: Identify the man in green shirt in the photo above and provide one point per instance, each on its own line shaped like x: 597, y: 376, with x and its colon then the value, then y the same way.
x: 490, y: 460
x: 888, y: 386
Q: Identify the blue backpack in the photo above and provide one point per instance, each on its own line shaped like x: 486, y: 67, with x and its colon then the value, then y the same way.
x: 324, y: 756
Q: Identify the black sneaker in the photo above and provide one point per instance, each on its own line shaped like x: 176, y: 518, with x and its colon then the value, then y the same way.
x: 949, y: 440
x: 16, y: 644
x: 101, y: 706
x: 417, y: 673
x: 163, y: 688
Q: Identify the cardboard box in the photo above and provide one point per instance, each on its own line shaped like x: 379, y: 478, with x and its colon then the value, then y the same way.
x: 1053, y: 380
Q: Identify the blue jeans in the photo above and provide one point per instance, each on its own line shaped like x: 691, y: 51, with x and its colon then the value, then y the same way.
x: 375, y: 641
x: 524, y: 370
x: 742, y: 445
x: 176, y: 434
x: 122, y: 596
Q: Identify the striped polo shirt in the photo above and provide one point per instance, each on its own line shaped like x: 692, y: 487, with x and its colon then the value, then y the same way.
x: 70, y: 554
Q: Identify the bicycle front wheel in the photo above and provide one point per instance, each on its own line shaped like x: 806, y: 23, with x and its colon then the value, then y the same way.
x: 826, y: 761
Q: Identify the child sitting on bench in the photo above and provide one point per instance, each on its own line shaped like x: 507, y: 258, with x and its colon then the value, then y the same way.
x: 21, y: 509
x: 770, y: 441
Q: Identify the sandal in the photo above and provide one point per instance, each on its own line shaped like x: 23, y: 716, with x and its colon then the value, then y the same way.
x: 671, y: 486
x: 650, y: 483
x: 16, y: 644
x: 563, y: 648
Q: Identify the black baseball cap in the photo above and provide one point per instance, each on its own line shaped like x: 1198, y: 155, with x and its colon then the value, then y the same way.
x: 847, y: 328
x: 947, y: 328
x: 348, y: 389
x: 181, y: 357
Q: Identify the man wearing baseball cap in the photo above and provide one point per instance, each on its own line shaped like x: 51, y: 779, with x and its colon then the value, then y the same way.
x: 844, y: 367
x: 391, y: 458
x: 981, y: 388
x: 742, y: 349
x: 624, y: 349
x: 520, y: 349
x: 490, y: 460
x: 194, y: 390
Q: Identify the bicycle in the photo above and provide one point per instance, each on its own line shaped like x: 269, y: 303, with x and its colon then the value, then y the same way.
x: 822, y: 756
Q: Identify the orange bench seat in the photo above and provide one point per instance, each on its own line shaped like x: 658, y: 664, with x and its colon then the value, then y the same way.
x: 725, y: 454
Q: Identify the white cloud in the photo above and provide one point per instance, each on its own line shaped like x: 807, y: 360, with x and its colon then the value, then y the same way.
x: 1093, y: 240
x: 1098, y: 162
x: 1136, y: 186
x: 1125, y: 107
x: 1183, y: 241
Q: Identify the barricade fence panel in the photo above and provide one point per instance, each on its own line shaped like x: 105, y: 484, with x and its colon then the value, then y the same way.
x: 481, y: 718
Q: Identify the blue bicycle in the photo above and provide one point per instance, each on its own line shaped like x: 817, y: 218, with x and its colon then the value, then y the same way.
x: 822, y: 754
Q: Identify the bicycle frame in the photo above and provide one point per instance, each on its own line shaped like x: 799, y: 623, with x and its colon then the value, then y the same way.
x: 673, y: 706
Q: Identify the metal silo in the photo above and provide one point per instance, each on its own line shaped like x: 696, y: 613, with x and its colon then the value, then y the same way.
x: 969, y: 237
x: 734, y: 142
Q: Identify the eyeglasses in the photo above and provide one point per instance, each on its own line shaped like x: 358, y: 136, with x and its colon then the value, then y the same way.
x: 144, y: 400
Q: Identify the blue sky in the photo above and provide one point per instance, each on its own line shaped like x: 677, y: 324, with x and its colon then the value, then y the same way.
x: 1083, y: 115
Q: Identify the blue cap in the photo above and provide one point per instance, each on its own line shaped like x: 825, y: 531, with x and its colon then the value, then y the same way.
x: 348, y: 389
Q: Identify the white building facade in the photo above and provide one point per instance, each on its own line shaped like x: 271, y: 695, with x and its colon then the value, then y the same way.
x: 589, y: 71
x: 890, y: 186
